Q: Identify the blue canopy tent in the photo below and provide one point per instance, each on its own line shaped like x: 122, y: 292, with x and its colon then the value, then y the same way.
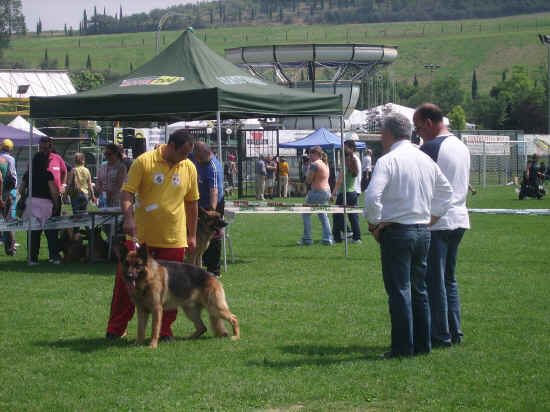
x: 321, y: 137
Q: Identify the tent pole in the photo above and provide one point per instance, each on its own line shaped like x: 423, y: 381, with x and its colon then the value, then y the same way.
x: 344, y: 181
x: 219, y: 132
x: 29, y: 187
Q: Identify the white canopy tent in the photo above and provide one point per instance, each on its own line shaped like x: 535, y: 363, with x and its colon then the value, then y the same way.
x: 21, y: 124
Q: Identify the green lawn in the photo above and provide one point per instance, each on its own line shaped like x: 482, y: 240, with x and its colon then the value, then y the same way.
x: 312, y: 321
x: 490, y: 45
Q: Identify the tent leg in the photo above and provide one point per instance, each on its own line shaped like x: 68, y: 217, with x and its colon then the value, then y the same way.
x: 344, y: 182
x: 29, y: 188
x: 220, y: 159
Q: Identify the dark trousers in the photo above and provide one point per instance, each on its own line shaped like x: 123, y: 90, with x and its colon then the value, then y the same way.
x: 9, y: 238
x: 51, y: 237
x: 211, y: 258
x: 52, y: 234
x: 443, y: 287
x: 339, y: 220
x: 404, y: 251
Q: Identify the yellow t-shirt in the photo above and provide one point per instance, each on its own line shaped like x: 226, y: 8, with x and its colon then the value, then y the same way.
x: 283, y: 169
x: 81, y: 176
x: 161, y: 194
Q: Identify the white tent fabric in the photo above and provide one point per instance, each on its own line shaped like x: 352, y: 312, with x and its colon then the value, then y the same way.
x: 356, y: 120
x: 376, y: 115
x: 21, y: 124
x: 39, y: 82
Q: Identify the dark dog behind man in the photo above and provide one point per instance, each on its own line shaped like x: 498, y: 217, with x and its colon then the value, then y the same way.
x: 157, y: 285
x: 209, y: 223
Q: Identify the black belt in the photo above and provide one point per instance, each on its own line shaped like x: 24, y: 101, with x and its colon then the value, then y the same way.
x: 412, y: 226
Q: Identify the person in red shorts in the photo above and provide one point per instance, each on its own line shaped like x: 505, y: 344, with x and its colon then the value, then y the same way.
x: 162, y: 186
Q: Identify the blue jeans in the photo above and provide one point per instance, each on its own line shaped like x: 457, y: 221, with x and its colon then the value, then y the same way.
x: 79, y: 203
x: 404, y: 250
x: 319, y: 197
x: 339, y: 221
x: 443, y: 287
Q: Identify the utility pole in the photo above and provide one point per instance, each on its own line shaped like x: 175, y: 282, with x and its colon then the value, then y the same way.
x: 545, y: 40
x: 432, y: 68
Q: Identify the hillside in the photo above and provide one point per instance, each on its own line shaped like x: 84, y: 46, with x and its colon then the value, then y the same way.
x: 489, y: 45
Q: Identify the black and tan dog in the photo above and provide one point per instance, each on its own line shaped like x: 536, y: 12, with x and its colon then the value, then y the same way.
x: 209, y: 223
x: 158, y: 285
x: 71, y: 243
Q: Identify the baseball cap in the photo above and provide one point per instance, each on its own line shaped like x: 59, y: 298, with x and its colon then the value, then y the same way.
x: 7, y: 144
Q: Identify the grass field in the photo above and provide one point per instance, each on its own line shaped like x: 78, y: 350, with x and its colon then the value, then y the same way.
x: 313, y: 324
x: 490, y: 46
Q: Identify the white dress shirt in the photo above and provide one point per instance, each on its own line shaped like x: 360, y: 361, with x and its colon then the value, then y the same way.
x: 406, y: 187
x: 454, y: 162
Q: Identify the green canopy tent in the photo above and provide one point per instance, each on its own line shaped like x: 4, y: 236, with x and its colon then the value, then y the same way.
x: 186, y: 81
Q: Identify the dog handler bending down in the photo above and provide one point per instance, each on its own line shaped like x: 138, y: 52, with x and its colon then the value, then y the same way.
x: 162, y: 184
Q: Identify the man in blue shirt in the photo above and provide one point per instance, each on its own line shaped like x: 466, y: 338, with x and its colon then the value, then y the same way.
x: 210, y: 175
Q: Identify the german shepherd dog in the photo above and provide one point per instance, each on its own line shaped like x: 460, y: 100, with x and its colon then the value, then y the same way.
x: 71, y: 243
x: 209, y: 223
x: 157, y: 285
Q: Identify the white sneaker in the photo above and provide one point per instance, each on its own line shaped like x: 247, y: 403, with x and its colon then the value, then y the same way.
x: 356, y: 241
x: 33, y: 263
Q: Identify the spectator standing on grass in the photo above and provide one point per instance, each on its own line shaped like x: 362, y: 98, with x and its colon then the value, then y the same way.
x: 112, y: 175
x: 165, y: 218
x: 283, y: 177
x: 353, y: 190
x: 453, y: 158
x: 40, y: 204
x: 210, y: 175
x: 317, y: 176
x: 406, y: 193
x: 80, y: 185
x: 366, y: 170
x: 271, y: 167
x: 8, y: 169
x: 260, y: 178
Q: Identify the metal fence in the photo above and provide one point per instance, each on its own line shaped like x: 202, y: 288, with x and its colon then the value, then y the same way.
x: 497, y: 157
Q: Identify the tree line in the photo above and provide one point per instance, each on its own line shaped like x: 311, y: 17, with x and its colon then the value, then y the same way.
x: 247, y: 12
x: 519, y: 101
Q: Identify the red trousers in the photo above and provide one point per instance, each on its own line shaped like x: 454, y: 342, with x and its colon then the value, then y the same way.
x: 122, y: 307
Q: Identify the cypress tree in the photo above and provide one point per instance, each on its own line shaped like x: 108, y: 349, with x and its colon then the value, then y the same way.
x: 89, y: 63
x: 415, y: 81
x: 67, y: 60
x: 474, y: 86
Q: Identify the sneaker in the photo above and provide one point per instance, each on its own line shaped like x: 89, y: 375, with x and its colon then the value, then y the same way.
x: 356, y: 241
x: 329, y: 243
x: 33, y: 263
x: 55, y: 262
x: 302, y: 243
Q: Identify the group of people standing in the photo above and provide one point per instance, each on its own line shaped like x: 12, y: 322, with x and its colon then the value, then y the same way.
x: 416, y: 208
x: 267, y: 168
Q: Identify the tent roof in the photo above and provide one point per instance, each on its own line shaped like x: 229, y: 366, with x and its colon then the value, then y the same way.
x: 40, y: 82
x: 19, y: 137
x: 321, y: 137
x: 186, y: 81
x: 21, y: 124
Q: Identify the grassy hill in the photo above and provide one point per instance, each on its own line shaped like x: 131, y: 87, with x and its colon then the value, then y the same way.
x: 490, y: 45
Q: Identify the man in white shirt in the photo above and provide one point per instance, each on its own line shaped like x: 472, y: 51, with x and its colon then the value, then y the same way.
x: 453, y: 158
x: 406, y: 194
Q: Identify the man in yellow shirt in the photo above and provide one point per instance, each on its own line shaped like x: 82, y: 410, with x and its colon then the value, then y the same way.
x: 163, y: 186
x: 283, y: 176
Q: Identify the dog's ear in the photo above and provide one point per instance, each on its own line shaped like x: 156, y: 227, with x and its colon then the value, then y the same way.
x: 123, y: 251
x: 142, y: 252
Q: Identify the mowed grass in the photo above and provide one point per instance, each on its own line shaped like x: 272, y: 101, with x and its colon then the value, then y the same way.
x: 313, y: 323
x: 488, y: 45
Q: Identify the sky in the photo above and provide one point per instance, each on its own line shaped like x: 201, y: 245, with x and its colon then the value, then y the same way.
x: 55, y: 13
